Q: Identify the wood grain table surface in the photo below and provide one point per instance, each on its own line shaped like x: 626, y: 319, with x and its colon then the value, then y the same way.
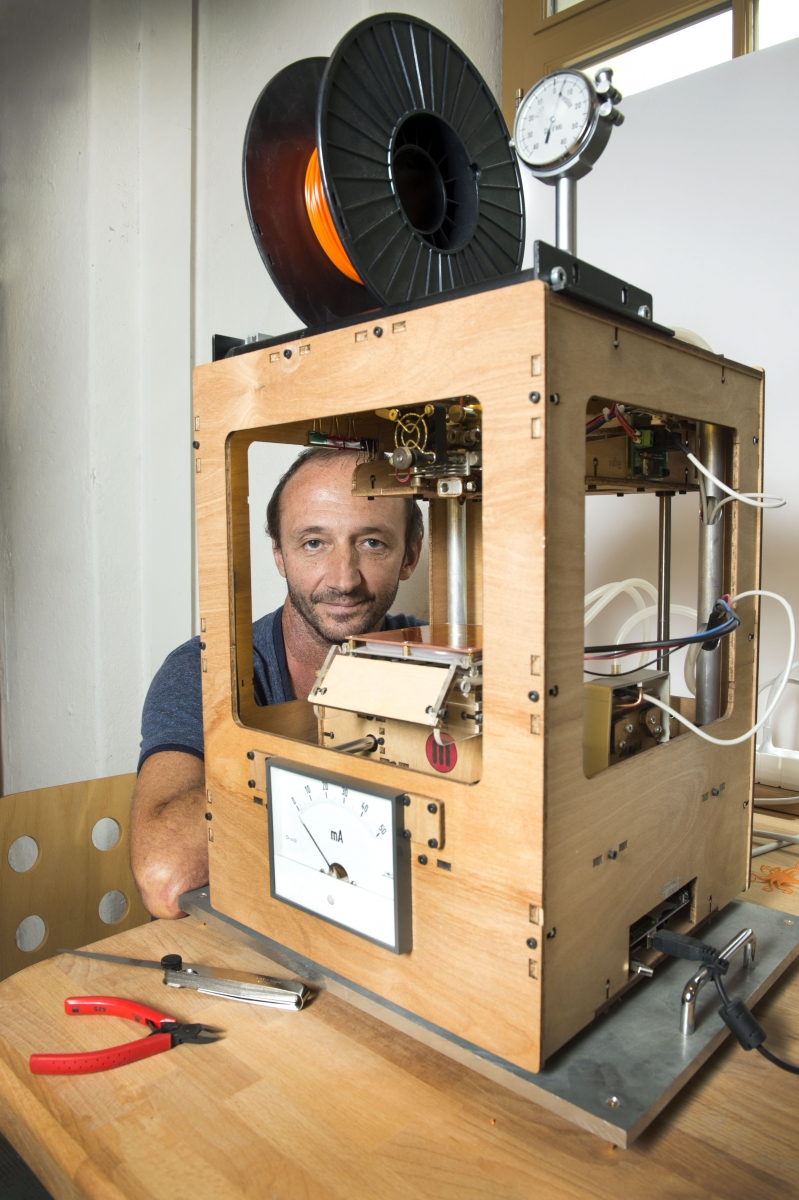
x: 331, y: 1103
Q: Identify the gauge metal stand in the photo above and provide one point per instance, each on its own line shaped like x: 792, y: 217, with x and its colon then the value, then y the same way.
x: 561, y: 128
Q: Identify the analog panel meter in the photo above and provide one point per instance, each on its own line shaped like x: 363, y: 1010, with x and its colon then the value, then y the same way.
x: 337, y: 849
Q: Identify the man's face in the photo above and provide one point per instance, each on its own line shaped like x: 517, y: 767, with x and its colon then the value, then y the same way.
x: 342, y: 556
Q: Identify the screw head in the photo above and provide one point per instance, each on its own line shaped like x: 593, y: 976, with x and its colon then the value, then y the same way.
x: 406, y: 800
x: 554, y: 398
x: 533, y: 696
x: 432, y: 843
x: 250, y: 783
x: 202, y: 645
x: 613, y: 853
x: 422, y: 860
x: 378, y: 331
x: 209, y: 816
x: 552, y: 932
x: 251, y: 755
x: 196, y: 445
x: 751, y: 637
x: 755, y: 441
x: 613, y: 1102
x: 553, y: 691
x: 532, y: 943
x: 432, y: 808
x: 406, y: 833
x: 714, y: 791
x: 746, y: 803
x: 535, y: 397
x: 287, y: 353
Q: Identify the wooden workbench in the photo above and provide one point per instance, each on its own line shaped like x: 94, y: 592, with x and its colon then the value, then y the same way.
x: 329, y: 1102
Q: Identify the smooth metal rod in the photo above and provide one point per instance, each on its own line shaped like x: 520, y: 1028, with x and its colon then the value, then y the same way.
x: 456, y: 562
x: 664, y: 579
x: 712, y: 454
x: 368, y: 743
x: 566, y: 215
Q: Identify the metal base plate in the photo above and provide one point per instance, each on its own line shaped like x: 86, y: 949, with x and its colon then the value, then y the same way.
x: 618, y: 1074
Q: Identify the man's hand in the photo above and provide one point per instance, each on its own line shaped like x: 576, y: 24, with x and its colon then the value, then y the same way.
x: 168, y: 834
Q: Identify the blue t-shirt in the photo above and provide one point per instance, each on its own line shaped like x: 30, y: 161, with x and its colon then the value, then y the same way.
x: 173, y: 711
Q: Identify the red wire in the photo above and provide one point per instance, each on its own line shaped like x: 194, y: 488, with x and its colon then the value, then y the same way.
x: 628, y: 429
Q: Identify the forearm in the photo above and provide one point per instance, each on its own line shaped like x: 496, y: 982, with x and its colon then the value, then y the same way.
x: 168, y: 836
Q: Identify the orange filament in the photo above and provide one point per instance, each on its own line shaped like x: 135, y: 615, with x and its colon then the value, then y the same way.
x: 322, y: 222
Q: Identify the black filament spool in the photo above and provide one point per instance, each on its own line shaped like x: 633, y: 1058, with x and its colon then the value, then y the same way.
x: 421, y: 180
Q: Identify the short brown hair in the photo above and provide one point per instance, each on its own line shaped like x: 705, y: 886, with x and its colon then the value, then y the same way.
x: 414, y: 529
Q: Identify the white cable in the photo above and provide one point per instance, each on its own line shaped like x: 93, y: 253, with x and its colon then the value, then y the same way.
x: 678, y: 610
x: 767, y: 743
x: 755, y: 499
x: 643, y: 615
x: 781, y: 681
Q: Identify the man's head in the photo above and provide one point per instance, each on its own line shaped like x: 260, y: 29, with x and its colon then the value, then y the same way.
x: 342, y: 556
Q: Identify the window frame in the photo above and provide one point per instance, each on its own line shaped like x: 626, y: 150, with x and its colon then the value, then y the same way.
x: 534, y: 43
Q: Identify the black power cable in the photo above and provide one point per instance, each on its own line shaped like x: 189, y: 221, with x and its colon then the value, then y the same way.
x: 734, y: 1013
x: 710, y: 636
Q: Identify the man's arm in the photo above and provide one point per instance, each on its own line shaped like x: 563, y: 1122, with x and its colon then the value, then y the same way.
x: 168, y: 834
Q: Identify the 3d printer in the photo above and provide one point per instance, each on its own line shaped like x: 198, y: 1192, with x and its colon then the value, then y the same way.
x: 455, y: 826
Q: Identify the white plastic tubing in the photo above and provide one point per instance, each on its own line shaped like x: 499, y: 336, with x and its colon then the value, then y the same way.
x: 779, y: 685
x: 601, y: 597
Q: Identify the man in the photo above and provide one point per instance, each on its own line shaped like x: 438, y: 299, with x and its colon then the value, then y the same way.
x: 343, y: 558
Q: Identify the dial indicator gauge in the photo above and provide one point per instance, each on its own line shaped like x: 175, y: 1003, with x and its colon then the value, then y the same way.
x: 555, y: 120
x: 336, y: 850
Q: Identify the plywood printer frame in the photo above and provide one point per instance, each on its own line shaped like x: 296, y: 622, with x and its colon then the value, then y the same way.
x: 522, y: 842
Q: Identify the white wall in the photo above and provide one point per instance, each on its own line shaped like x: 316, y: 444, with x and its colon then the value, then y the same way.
x: 95, y: 512
x: 124, y: 245
x: 695, y: 199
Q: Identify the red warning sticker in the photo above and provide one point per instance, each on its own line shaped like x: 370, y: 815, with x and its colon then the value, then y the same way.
x: 441, y: 758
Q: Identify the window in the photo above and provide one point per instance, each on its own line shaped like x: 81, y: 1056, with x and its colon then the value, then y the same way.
x: 651, y: 40
x: 693, y: 48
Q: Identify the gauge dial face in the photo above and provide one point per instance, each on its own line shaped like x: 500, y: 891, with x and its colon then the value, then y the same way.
x: 334, y: 851
x: 553, y: 119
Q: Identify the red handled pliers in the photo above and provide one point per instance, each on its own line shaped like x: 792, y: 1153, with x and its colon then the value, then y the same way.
x: 165, y: 1032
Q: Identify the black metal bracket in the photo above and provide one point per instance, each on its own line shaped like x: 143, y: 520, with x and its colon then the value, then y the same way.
x: 565, y: 273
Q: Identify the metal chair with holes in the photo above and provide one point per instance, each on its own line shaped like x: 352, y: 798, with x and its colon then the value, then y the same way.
x: 65, y: 877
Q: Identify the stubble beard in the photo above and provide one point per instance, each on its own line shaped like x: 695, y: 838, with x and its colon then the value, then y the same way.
x: 343, y: 625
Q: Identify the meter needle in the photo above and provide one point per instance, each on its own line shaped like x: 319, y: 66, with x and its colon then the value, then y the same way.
x: 311, y: 836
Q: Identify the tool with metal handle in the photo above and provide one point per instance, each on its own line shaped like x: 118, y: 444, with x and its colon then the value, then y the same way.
x: 216, y: 981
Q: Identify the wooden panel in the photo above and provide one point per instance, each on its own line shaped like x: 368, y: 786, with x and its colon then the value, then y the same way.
x: 652, y: 802
x: 435, y: 358
x: 329, y: 1103
x: 370, y: 685
x: 523, y: 839
x: 70, y: 876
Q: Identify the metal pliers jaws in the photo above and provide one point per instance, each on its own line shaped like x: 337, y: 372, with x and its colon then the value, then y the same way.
x: 165, y: 1032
